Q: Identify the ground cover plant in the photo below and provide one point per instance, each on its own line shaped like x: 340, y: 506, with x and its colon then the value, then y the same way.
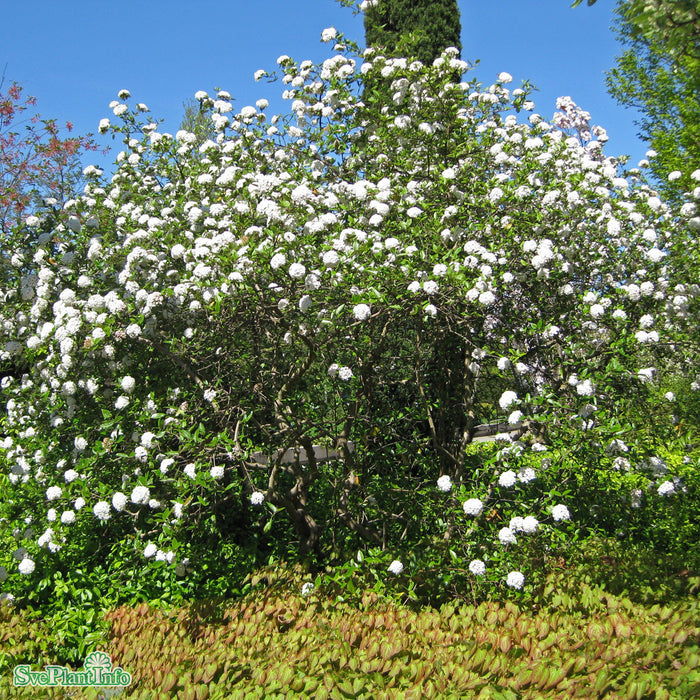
x: 568, y: 641
x: 375, y: 274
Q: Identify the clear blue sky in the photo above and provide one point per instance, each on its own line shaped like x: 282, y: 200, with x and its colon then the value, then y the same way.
x: 75, y: 55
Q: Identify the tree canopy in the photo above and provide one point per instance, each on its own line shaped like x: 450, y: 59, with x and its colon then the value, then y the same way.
x: 418, y: 29
x: 35, y: 160
x: 659, y: 74
x: 673, y: 23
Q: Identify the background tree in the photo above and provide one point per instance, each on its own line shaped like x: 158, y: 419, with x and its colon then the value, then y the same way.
x: 35, y: 161
x: 659, y: 75
x: 196, y: 119
x: 675, y: 22
x: 419, y: 28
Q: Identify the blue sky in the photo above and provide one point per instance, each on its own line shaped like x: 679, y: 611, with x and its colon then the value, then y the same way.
x: 75, y: 55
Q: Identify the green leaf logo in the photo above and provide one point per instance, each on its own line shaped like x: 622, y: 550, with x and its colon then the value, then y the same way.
x: 97, y: 659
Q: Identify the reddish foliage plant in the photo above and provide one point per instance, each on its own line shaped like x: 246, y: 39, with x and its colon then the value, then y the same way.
x: 34, y: 158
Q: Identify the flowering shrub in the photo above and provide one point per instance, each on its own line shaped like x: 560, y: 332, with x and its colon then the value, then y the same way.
x: 376, y: 278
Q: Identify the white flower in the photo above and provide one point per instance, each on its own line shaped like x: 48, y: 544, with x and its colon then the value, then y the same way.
x: 26, y: 567
x: 505, y: 77
x: 101, y: 510
x: 68, y: 517
x: 560, y: 512
x: 617, y: 446
x: 622, y: 463
x: 506, y: 536
x: 487, y: 298
x: 666, y: 488
x: 190, y: 471
x: 53, y: 492
x: 305, y: 303
x: 658, y: 465
x: 529, y: 524
x: 636, y: 498
x: 119, y: 501
x: 515, y: 580
x: 647, y: 374
x: 444, y: 483
x: 328, y: 34
x: 147, y: 440
x: 495, y: 194
x: 516, y: 523
x: 330, y: 258
x: 297, y: 271
x: 507, y: 479
x: 585, y: 388
x: 361, y: 312
x: 414, y: 212
x: 140, y: 494
x: 278, y: 259
x: 396, y: 567
x: 209, y: 395
x: 257, y: 497
x: 477, y: 567
x: 526, y: 475
x: 473, y: 506
x: 503, y: 364
x: 670, y: 396
x: 121, y: 402
x: 307, y: 589
x: 597, y: 310
x: 430, y: 287
x: 345, y: 373
x: 150, y: 550
x: 216, y: 472
x: 655, y: 255
x: 508, y: 398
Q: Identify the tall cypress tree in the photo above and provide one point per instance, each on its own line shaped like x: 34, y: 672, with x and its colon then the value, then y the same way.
x: 419, y: 29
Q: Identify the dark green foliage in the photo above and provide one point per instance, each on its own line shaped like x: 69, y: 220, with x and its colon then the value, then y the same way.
x: 433, y: 25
